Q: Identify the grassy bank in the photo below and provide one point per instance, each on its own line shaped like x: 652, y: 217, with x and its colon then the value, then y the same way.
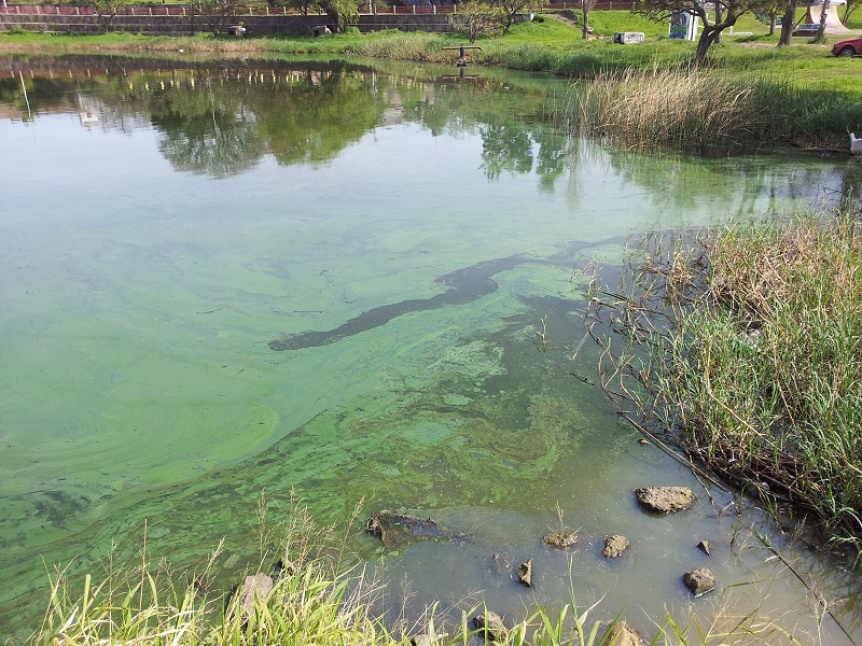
x: 313, y: 595
x: 760, y: 374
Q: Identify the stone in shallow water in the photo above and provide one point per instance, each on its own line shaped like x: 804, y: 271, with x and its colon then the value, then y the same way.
x: 253, y: 588
x: 615, y: 546
x: 491, y: 626
x: 621, y: 634
x: 499, y: 565
x: 560, y: 539
x: 525, y: 573
x: 664, y: 500
x: 699, y: 581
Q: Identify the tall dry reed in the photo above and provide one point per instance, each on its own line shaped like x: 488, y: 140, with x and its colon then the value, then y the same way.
x: 689, y: 110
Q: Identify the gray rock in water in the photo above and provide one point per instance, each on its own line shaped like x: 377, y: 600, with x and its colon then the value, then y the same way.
x: 621, y: 634
x: 525, y: 573
x: 253, y: 588
x: 420, y: 640
x: 615, y: 546
x: 664, y: 500
x: 699, y: 581
x: 560, y: 539
x: 704, y: 547
x: 490, y: 625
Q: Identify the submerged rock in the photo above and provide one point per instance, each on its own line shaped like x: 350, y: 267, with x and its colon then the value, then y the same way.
x: 621, y: 634
x: 615, y: 546
x: 490, y: 625
x: 499, y: 565
x: 664, y: 500
x: 398, y: 530
x: 525, y: 573
x: 560, y: 539
x: 699, y: 581
x: 704, y: 547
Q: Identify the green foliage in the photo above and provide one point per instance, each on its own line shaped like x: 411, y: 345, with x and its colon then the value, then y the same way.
x: 344, y: 12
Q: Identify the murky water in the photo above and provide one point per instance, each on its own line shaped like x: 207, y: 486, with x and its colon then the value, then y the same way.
x: 226, y: 282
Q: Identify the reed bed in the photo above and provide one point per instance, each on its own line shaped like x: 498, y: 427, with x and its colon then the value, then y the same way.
x: 707, y: 112
x: 394, y: 45
x: 683, y: 109
x: 757, y: 371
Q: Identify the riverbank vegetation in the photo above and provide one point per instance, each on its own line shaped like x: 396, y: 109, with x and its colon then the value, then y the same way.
x: 759, y: 373
x: 315, y: 594
x: 696, y: 112
x: 749, y: 98
x: 550, y: 45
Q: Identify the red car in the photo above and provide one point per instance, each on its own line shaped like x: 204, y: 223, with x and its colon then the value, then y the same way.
x: 849, y: 47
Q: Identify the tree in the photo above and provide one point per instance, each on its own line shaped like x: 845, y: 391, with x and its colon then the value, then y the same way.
x: 342, y: 13
x: 849, y: 8
x: 477, y: 19
x: 586, y: 7
x: 207, y: 128
x: 510, y: 8
x: 788, y: 22
x: 302, y: 6
x: 215, y: 15
x: 727, y: 12
x: 106, y: 10
x: 820, y: 36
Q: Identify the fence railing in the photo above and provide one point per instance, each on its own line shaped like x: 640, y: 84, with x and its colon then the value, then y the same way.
x: 183, y: 10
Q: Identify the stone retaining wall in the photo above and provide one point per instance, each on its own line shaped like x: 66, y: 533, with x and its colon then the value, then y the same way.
x: 178, y: 25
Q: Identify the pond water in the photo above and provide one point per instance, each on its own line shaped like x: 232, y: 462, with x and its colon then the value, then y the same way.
x: 223, y: 283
